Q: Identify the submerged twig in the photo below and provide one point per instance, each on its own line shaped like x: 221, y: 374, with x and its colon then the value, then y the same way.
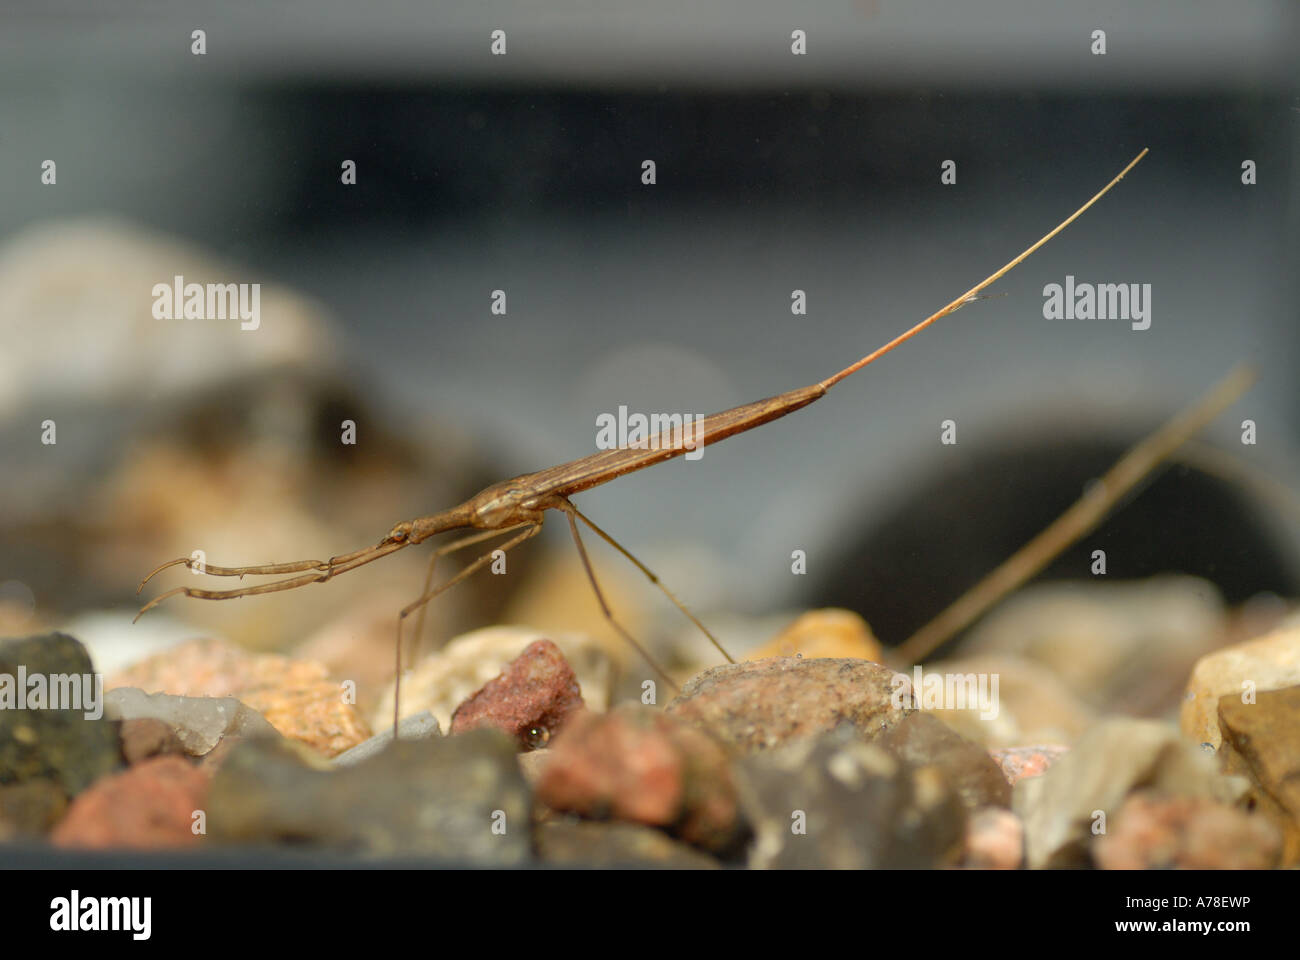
x: 1079, y: 520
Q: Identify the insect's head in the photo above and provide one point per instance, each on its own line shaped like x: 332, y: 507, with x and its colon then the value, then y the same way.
x: 400, y: 532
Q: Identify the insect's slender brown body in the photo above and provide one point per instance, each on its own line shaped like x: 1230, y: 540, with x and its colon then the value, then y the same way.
x: 519, y: 505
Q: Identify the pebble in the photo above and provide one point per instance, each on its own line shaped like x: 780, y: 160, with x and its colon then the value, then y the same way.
x: 1017, y: 763
x: 209, y: 667
x: 641, y: 765
x: 531, y: 699
x: 1270, y: 662
x: 147, y: 737
x: 443, y: 680
x: 150, y: 805
x: 460, y: 800
x: 422, y: 726
x: 922, y: 740
x: 1062, y: 808
x: 198, y: 723
x: 531, y: 763
x: 295, y: 696
x: 995, y: 840
x: 1033, y: 704
x: 1152, y: 832
x: 830, y: 632
x: 60, y: 745
x: 317, y: 715
x: 757, y: 705
x: 1120, y: 647
x: 1262, y: 741
x: 30, y: 808
x: 587, y: 843
x: 833, y: 801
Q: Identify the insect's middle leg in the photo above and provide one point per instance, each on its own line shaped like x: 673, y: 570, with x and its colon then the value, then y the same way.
x: 650, y: 575
x: 442, y: 551
x: 430, y: 594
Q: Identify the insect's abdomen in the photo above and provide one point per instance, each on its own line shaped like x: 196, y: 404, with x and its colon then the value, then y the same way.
x: 578, y: 475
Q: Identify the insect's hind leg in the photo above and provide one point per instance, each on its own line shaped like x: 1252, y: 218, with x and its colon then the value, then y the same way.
x: 569, y: 512
x: 430, y: 594
x: 653, y: 579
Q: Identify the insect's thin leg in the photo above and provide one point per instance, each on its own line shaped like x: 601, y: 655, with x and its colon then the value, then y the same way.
x: 442, y: 552
x: 358, y: 559
x: 569, y: 512
x: 653, y: 579
x: 428, y: 595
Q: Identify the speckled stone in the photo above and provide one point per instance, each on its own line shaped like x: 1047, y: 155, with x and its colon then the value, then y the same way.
x: 30, y: 808
x: 761, y: 704
x: 65, y: 746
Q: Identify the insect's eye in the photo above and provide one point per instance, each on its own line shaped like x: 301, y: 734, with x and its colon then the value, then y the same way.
x: 400, y: 532
x: 536, y: 737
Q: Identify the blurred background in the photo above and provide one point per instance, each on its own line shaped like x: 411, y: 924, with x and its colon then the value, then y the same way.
x: 522, y: 173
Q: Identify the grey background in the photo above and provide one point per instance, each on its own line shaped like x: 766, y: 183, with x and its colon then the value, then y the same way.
x: 775, y: 172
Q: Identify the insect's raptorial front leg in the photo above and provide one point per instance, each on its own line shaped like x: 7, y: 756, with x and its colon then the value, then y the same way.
x: 653, y: 579
x: 258, y: 569
x: 430, y: 594
x: 569, y: 512
x: 325, y: 569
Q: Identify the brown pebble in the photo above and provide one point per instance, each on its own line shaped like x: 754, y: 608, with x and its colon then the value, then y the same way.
x: 146, y: 737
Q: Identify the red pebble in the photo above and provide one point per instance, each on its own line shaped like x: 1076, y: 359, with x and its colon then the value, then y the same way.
x: 643, y: 766
x: 150, y: 805
x: 530, y: 700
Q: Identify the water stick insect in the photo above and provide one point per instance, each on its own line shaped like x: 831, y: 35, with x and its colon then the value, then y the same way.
x: 518, y: 506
